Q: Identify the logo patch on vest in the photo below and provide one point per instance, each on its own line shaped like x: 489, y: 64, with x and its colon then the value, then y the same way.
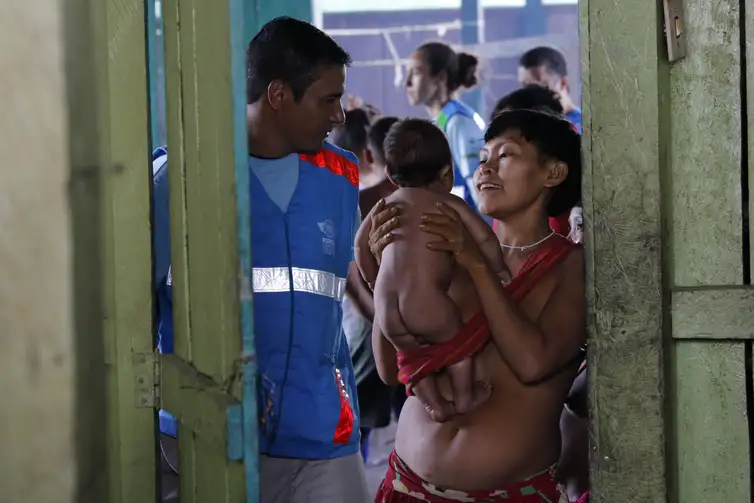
x: 327, y: 227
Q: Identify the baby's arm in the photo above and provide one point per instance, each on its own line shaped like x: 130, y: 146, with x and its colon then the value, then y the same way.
x: 366, y: 262
x: 483, y: 236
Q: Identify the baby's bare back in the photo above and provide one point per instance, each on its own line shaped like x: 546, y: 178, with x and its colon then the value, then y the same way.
x: 409, y: 255
x: 410, y: 294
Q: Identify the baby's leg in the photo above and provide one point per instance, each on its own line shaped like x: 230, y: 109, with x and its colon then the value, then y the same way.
x: 428, y: 313
x: 429, y: 395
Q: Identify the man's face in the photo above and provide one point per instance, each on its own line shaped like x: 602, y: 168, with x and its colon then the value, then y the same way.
x: 308, y: 121
x: 541, y: 76
x: 420, y: 86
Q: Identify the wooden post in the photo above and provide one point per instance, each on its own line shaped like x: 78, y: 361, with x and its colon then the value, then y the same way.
x: 126, y: 177
x: 624, y: 147
x: 202, y: 381
x: 51, y: 428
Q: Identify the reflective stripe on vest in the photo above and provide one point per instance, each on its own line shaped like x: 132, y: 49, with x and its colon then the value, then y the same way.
x: 277, y: 279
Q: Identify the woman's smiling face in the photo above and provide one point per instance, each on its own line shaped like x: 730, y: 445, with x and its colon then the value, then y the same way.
x: 511, y: 177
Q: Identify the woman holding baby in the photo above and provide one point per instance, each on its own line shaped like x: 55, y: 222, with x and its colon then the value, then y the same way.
x: 506, y: 448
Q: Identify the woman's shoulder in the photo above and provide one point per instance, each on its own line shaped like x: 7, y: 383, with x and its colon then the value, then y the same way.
x: 572, y: 271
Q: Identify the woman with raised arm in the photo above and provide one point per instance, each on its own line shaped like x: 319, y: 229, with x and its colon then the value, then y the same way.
x: 506, y: 449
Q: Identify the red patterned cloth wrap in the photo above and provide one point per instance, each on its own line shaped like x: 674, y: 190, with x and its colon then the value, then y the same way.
x: 401, y: 485
x: 418, y: 363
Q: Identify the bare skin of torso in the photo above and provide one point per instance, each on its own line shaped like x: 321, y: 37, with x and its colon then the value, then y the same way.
x: 511, y: 436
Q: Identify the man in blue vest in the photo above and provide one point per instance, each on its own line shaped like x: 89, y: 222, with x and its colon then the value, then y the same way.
x: 304, y: 211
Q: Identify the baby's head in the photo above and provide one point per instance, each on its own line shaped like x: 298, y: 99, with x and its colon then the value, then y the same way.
x: 417, y: 154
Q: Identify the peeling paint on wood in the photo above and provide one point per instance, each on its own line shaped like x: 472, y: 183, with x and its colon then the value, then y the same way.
x: 705, y: 151
x: 712, y: 428
x: 623, y: 148
x: 203, y: 239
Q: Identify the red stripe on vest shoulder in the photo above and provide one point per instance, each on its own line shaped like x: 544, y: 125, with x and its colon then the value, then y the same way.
x: 336, y: 163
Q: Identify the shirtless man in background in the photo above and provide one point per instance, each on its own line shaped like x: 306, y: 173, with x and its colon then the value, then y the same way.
x: 505, y: 450
x: 410, y: 294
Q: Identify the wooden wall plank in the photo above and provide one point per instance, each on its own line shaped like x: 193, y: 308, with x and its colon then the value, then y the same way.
x: 705, y: 103
x: 41, y: 457
x: 127, y: 254
x: 86, y: 153
x: 721, y: 313
x: 201, y: 143
x: 712, y: 444
x: 210, y: 193
x: 748, y: 6
x: 623, y: 151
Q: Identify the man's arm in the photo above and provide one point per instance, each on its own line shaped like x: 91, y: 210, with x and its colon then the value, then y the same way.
x: 535, y: 350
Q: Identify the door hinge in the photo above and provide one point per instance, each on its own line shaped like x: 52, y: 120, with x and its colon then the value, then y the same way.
x: 146, y: 380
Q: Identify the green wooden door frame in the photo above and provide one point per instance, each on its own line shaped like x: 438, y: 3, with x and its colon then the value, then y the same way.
x: 202, y: 380
x: 624, y: 143
x: 125, y: 179
x: 671, y: 308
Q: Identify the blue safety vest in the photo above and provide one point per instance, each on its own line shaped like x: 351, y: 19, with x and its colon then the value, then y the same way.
x: 307, y: 392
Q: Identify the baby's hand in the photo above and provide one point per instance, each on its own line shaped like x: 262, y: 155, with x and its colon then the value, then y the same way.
x: 437, y: 407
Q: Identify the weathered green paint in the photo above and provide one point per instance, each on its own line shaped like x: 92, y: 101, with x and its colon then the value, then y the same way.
x: 706, y: 148
x: 748, y: 6
x: 126, y: 259
x: 203, y: 245
x: 709, y: 443
x: 623, y: 148
x: 201, y: 403
x: 713, y: 434
x: 719, y: 313
x: 85, y: 142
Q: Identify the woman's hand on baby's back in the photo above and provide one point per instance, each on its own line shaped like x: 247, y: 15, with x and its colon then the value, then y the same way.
x: 454, y: 236
x: 384, y: 221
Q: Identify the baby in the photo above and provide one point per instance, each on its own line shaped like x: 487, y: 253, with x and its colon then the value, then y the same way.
x: 412, y: 283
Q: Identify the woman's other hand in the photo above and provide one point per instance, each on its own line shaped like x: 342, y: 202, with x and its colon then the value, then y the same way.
x: 456, y: 239
x: 384, y: 221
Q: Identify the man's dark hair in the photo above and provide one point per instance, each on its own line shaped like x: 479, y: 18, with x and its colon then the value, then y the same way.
x: 376, y: 138
x: 416, y: 151
x: 554, y: 138
x: 353, y: 134
x: 290, y: 50
x: 531, y: 97
x: 550, y: 58
x: 460, y: 67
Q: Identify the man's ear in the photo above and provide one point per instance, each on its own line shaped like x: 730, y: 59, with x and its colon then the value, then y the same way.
x: 557, y: 173
x: 276, y: 94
